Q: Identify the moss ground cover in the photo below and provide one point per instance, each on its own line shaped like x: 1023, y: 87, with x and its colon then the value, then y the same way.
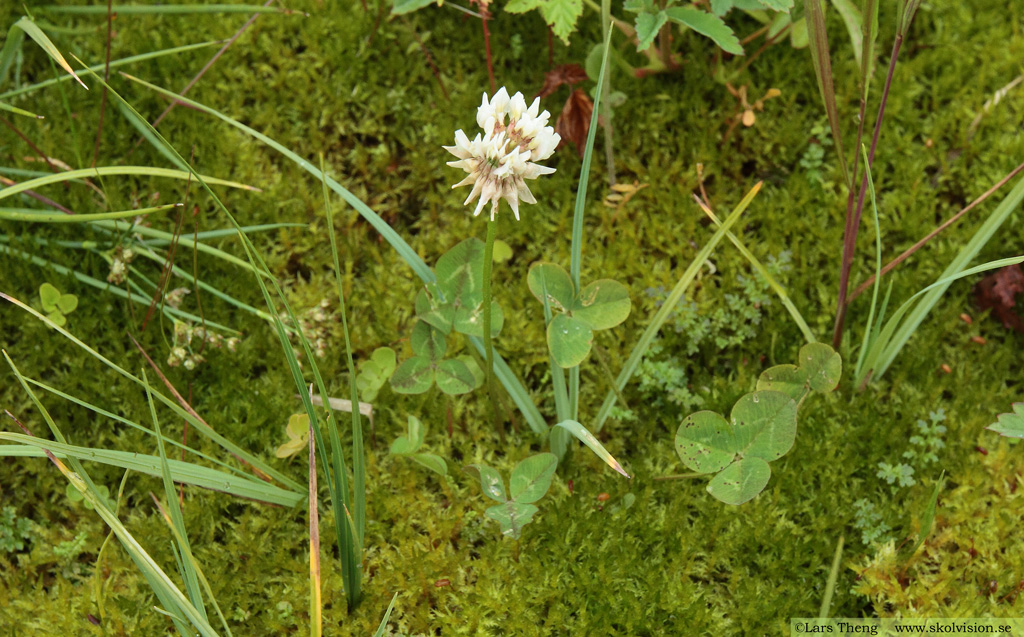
x: 353, y: 84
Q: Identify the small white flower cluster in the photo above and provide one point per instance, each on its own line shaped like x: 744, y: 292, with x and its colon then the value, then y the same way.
x: 119, y: 266
x: 502, y: 158
x: 315, y: 324
x: 185, y: 334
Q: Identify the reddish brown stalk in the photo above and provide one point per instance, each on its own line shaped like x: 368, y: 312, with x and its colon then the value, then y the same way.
x: 106, y: 78
x: 931, y: 235
x: 853, y: 224
x: 172, y: 251
x: 430, y: 61
x: 764, y: 47
x: 28, y: 141
x: 485, y: 15
x: 206, y: 67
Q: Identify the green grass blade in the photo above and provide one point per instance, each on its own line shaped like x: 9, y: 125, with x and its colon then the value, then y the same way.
x: 869, y: 328
x: 823, y: 72
x: 134, y: 425
x: 358, y: 459
x: 181, y: 471
x: 576, y: 250
x: 107, y: 287
x: 387, y: 615
x: 164, y: 9
x: 99, y: 67
x: 199, y: 425
x: 169, y: 594
x: 18, y: 111
x: 517, y: 392
x: 177, y: 522
x: 766, y: 275
x: 29, y: 28
x: 886, y: 348
x: 833, y: 576
x: 669, y: 306
x: 43, y: 216
x: 1005, y: 208
x: 595, y: 445
x: 103, y: 171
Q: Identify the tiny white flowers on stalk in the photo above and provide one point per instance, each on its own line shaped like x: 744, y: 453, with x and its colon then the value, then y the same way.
x: 504, y: 156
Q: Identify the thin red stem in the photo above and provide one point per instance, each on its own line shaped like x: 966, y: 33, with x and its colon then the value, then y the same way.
x: 484, y: 17
x: 850, y: 239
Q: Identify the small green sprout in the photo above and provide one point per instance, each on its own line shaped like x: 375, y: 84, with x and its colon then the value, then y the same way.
x: 56, y: 305
x: 410, y: 444
x: 530, y: 480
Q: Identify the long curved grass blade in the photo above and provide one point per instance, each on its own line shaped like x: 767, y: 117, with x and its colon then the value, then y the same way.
x: 885, y: 347
x: 29, y: 28
x: 175, y: 520
x: 18, y: 111
x: 102, y: 171
x: 181, y: 471
x: 99, y: 67
x: 595, y: 445
x: 200, y: 426
x: 316, y: 619
x: 387, y: 615
x: 823, y: 72
x: 517, y: 392
x: 106, y: 287
x: 869, y: 327
x: 1006, y: 207
x: 170, y: 596
x: 165, y: 9
x: 765, y: 274
x: 669, y: 306
x: 43, y: 216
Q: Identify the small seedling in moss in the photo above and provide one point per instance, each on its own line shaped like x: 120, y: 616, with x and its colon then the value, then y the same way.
x: 14, y: 531
x: 410, y: 444
x: 71, y: 549
x: 762, y: 427
x: 76, y: 496
x: 375, y: 372
x: 893, y: 474
x: 297, y: 430
x: 530, y: 480
x: 56, y: 305
x: 928, y: 442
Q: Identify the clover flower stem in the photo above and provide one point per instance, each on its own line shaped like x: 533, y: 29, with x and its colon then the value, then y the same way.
x: 492, y: 231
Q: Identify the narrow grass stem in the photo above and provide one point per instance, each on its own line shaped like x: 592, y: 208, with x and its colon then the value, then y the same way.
x: 850, y: 239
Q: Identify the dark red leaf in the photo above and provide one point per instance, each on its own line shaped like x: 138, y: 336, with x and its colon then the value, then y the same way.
x: 574, y: 122
x: 564, y: 74
x: 998, y: 292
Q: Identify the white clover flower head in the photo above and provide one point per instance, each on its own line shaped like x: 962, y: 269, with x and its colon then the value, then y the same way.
x: 501, y: 158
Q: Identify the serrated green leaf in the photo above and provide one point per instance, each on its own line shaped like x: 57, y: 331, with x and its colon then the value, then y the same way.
x: 1010, y: 425
x: 561, y: 16
x: 522, y: 6
x: 551, y: 281
x: 704, y: 442
x: 531, y: 478
x: 708, y: 25
x: 454, y: 378
x: 414, y: 376
x: 602, y: 304
x: 490, y: 481
x: 741, y: 481
x: 647, y: 27
x: 778, y: 5
x: 512, y: 517
x: 570, y: 340
x: 721, y: 7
